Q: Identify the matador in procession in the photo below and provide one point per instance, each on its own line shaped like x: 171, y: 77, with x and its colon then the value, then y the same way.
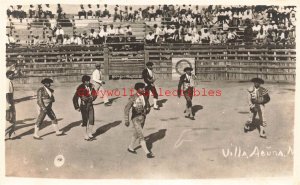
x: 187, y: 81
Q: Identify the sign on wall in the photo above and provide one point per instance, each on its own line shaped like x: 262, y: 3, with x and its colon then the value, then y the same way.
x: 178, y: 64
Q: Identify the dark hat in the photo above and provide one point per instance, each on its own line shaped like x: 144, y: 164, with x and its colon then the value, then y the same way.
x: 149, y: 64
x: 47, y: 80
x: 85, y: 78
x: 8, y: 73
x: 257, y: 80
x: 188, y: 69
x: 139, y: 85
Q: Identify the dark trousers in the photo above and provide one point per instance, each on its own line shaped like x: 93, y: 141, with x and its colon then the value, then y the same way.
x: 87, y: 113
x: 49, y: 112
x: 151, y: 88
x: 188, y: 95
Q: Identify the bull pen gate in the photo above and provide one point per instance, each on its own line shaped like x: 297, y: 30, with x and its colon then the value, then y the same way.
x: 211, y: 62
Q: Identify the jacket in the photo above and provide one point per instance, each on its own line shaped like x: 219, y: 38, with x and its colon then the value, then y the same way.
x: 86, y: 96
x: 44, y: 100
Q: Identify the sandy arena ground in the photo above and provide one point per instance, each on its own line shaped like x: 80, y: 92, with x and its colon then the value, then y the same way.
x: 212, y: 146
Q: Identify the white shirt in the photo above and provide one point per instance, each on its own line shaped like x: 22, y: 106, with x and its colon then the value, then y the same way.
x: 10, y: 86
x: 76, y: 40
x: 256, y: 28
x: 97, y: 76
x: 150, y: 37
x: 103, y: 33
x: 59, y: 32
x: 150, y: 72
x: 48, y: 91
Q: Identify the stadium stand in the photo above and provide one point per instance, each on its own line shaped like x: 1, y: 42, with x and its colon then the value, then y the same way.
x: 228, y: 42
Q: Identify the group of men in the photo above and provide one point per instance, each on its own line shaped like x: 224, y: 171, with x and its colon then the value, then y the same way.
x: 87, y: 92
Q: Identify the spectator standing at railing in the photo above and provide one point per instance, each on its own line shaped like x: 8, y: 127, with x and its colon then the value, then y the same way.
x: 117, y: 14
x: 98, y: 11
x: 139, y: 14
x: 32, y: 11
x: 82, y: 12
x: 131, y: 16
x: 40, y: 11
x: 10, y: 11
x: 248, y: 33
x: 59, y: 34
x: 90, y: 10
x: 152, y: 13
x: 105, y: 11
x: 47, y: 11
x: 60, y: 13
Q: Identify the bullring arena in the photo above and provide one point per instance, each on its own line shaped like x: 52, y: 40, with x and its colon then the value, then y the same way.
x: 221, y: 43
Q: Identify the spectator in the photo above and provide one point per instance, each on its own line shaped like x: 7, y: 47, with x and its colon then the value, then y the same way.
x: 188, y: 38
x: 82, y: 12
x: 128, y: 30
x: 60, y: 13
x: 36, y: 41
x: 130, y: 14
x: 274, y: 26
x: 196, y: 37
x: 67, y: 40
x: 150, y: 38
x: 84, y: 38
x: 50, y: 41
x: 232, y: 36
x: 121, y: 33
x: 205, y: 36
x: 93, y: 36
x: 32, y: 11
x: 59, y: 34
x: 40, y: 11
x: 105, y: 11
x: 214, y: 38
x: 11, y: 39
x: 248, y: 34
x: 98, y: 11
x: 152, y: 13
x: 10, y: 11
x: 261, y: 36
x: 47, y: 11
x: 76, y: 39
x: 19, y: 13
x: 139, y: 14
x: 111, y: 32
x: 256, y: 28
x: 103, y: 34
x: 90, y: 10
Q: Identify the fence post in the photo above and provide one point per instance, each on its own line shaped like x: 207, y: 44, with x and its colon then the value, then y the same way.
x: 106, y: 63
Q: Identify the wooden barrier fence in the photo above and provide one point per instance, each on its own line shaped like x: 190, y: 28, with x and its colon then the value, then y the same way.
x: 212, y: 62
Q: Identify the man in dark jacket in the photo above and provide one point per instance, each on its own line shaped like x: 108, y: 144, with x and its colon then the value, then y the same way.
x: 87, y: 94
x: 45, y: 99
x: 187, y: 80
x: 140, y: 108
x: 149, y: 79
x: 10, y: 105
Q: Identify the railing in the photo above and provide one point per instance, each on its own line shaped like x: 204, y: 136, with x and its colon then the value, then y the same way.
x: 212, y: 62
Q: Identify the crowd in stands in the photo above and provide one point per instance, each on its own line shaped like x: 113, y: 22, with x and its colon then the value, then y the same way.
x: 173, y: 23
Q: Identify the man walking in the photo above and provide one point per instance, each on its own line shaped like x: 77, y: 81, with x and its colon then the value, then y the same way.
x: 258, y: 96
x: 87, y: 95
x: 45, y: 99
x: 10, y: 105
x: 187, y: 80
x: 149, y: 79
x: 140, y: 107
x: 98, y: 84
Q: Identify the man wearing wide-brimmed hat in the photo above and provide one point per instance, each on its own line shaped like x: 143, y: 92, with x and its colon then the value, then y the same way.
x: 187, y: 80
x: 258, y: 96
x: 140, y: 108
x: 45, y: 100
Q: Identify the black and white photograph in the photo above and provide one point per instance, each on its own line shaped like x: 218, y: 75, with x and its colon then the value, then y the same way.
x: 151, y: 90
